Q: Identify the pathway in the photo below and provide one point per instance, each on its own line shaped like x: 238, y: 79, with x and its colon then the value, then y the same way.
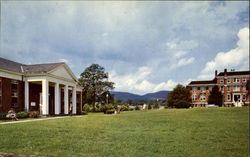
x: 32, y: 120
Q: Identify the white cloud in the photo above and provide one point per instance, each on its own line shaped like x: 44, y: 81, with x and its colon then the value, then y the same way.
x: 63, y: 60
x: 237, y: 57
x: 182, y: 62
x: 137, y: 82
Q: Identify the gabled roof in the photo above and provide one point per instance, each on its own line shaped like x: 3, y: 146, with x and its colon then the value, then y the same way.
x: 32, y: 68
x: 23, y: 68
x: 10, y: 65
x: 203, y: 82
x: 232, y: 73
x: 40, y: 68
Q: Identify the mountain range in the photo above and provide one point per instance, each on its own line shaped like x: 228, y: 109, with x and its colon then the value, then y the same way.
x: 160, y: 95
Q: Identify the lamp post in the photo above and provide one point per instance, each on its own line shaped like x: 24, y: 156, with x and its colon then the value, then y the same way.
x: 107, y: 98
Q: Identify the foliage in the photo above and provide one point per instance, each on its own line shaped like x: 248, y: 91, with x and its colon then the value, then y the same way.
x: 84, y: 113
x: 22, y: 115
x: 86, y: 108
x: 149, y: 106
x: 137, y: 107
x: 182, y: 104
x: 107, y: 107
x: 178, y: 96
x: 34, y: 114
x: 3, y: 115
x: 110, y: 111
x: 215, y: 96
x: 124, y: 108
x: 94, y: 81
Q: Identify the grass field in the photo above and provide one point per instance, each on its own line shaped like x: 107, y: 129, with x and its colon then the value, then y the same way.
x: 196, y: 132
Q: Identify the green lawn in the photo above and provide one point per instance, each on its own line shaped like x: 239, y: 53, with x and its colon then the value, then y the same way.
x: 171, y: 132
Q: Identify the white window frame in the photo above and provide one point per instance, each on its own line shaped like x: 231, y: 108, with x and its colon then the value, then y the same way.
x: 203, y: 97
x: 203, y: 89
x: 228, y: 88
x: 228, y: 97
x: 194, y: 89
x: 236, y: 88
x: 221, y: 80
x: 194, y: 97
x: 244, y: 80
x: 244, y: 97
x: 236, y: 80
x: 228, y: 80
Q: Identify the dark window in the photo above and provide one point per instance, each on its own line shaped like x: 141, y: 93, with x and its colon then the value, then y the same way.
x: 206, y: 88
x: 198, y: 88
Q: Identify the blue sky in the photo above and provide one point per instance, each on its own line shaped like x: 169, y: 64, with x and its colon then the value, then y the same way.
x: 145, y: 46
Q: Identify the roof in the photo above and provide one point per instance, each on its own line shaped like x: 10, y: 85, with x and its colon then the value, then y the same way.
x: 23, y: 68
x: 203, y: 82
x: 232, y: 73
x: 10, y: 65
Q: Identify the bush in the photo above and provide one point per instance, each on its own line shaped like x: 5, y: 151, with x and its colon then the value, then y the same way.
x: 137, y: 108
x: 22, y: 115
x: 106, y: 107
x: 34, y: 114
x: 124, y: 108
x: 3, y: 115
x: 87, y: 108
x: 84, y: 113
x: 182, y: 104
x: 149, y: 107
x: 112, y: 111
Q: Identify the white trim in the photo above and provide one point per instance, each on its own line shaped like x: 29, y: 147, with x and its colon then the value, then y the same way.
x: 26, y: 95
x: 66, y: 99
x: 10, y: 75
x: 45, y: 97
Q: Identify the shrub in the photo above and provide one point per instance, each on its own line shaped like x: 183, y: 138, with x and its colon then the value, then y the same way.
x: 22, y: 115
x: 182, y: 104
x: 106, y: 107
x: 84, y: 113
x: 87, y: 108
x: 34, y: 114
x: 3, y: 115
x: 112, y: 111
x: 137, y: 108
x: 124, y: 108
x: 149, y: 107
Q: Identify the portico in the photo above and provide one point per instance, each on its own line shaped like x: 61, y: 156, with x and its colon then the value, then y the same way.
x: 50, y: 101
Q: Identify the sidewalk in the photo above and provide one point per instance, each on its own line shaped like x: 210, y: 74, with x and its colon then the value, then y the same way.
x: 32, y: 120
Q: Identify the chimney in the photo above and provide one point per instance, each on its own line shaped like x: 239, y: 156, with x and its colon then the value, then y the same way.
x: 225, y: 72
x: 216, y: 72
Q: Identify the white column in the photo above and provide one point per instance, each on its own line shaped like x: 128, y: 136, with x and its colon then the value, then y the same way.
x: 45, y: 95
x: 57, y: 97
x: 26, y: 95
x: 74, y: 100
x: 66, y: 99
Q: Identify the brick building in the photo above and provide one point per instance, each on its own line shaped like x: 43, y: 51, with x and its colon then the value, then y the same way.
x: 233, y: 86
x: 47, y: 88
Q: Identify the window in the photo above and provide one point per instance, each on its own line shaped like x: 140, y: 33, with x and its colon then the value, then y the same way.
x: 244, y: 80
x: 198, y: 88
x: 0, y: 92
x: 194, y: 97
x: 244, y: 88
x: 228, y: 80
x: 203, y: 89
x: 244, y: 97
x: 222, y: 89
x: 194, y: 89
x: 236, y: 80
x: 14, y: 92
x: 210, y: 88
x: 228, y: 97
x: 236, y: 88
x: 203, y: 97
x: 229, y: 89
x: 221, y: 80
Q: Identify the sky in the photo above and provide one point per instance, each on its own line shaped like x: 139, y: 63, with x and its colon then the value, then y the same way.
x: 145, y: 46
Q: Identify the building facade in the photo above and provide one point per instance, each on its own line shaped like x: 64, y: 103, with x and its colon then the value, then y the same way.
x: 48, y: 88
x: 233, y: 86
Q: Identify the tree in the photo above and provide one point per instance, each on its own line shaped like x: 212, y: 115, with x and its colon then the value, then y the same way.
x: 179, y: 97
x: 94, y: 81
x: 215, y: 96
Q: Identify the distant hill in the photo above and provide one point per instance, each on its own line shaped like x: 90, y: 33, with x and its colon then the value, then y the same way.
x: 149, y: 96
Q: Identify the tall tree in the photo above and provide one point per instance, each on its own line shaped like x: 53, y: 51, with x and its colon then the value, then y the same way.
x: 179, y: 97
x: 215, y: 96
x: 94, y: 81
